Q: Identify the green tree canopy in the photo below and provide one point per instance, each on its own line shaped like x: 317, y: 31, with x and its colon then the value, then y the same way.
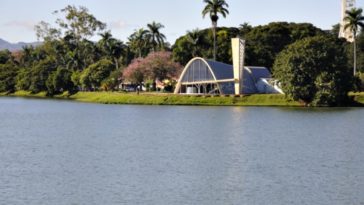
x: 360, y: 52
x: 156, y: 37
x: 46, y: 32
x: 93, y: 75
x: 5, y: 56
x: 79, y: 22
x: 112, y: 48
x: 314, y: 70
x: 195, y: 39
x: 185, y: 47
x: 138, y: 42
x: 265, y: 42
x: 39, y: 74
x: 60, y: 81
x: 8, y: 73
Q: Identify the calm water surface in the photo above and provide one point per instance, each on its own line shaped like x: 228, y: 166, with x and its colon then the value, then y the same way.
x: 67, y: 153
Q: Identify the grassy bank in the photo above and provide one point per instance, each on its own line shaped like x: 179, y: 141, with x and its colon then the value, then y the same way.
x: 170, y: 99
x: 158, y: 99
x: 358, y: 97
x: 166, y: 99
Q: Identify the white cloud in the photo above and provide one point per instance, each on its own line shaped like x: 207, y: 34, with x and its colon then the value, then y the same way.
x: 118, y: 25
x: 28, y: 25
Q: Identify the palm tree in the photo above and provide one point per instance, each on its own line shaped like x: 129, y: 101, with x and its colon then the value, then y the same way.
x: 195, y: 38
x: 156, y: 37
x: 112, y: 47
x: 245, y: 28
x: 354, y: 19
x: 214, y: 7
x: 27, y: 56
x: 88, y: 52
x: 117, y: 49
x: 105, y: 42
x: 138, y: 41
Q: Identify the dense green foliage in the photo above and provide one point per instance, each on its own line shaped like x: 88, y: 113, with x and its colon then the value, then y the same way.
x: 60, y: 81
x: 314, y: 70
x: 8, y: 74
x: 263, y: 42
x: 40, y: 73
x: 93, y: 75
x: 5, y: 57
x: 155, y: 37
x: 69, y: 61
x: 203, y: 46
x: 359, y: 53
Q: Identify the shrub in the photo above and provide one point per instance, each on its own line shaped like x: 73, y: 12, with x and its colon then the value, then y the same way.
x: 314, y: 70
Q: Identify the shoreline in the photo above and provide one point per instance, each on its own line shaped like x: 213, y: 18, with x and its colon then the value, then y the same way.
x: 266, y: 100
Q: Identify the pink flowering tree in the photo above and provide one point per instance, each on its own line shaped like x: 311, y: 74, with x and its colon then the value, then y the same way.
x: 135, y: 72
x: 156, y: 66
x: 160, y: 66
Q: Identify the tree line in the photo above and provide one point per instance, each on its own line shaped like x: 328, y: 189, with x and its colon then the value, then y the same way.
x: 68, y: 61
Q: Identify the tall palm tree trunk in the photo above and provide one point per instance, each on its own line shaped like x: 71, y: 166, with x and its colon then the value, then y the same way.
x: 354, y: 55
x: 116, y: 63
x: 214, y: 25
x: 154, y: 44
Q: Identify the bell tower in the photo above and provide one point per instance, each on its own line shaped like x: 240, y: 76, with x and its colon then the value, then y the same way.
x: 346, y: 5
x: 238, y: 54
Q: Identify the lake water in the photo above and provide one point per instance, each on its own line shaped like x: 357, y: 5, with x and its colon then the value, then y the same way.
x: 61, y: 152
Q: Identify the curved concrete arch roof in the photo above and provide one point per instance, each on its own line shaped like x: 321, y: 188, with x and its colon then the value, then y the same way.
x: 259, y: 72
x: 221, y: 70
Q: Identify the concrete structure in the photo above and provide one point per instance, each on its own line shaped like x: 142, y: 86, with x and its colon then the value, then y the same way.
x: 201, y: 76
x: 346, y: 5
x: 238, y: 52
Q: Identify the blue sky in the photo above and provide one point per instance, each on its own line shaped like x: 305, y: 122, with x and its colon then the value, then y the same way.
x: 18, y: 17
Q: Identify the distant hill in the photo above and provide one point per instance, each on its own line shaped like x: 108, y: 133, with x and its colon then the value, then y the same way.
x: 16, y: 46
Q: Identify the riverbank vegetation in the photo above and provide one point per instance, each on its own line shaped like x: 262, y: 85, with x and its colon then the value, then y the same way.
x: 165, y: 99
x: 171, y: 99
x: 68, y: 61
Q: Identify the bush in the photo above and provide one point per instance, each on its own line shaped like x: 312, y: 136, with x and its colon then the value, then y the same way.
x: 314, y: 70
x: 93, y: 75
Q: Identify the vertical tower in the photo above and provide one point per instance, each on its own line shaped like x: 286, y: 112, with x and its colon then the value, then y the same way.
x: 346, y: 5
x: 238, y: 54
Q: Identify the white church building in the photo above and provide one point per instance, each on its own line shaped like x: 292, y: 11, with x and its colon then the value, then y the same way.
x: 202, y: 76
